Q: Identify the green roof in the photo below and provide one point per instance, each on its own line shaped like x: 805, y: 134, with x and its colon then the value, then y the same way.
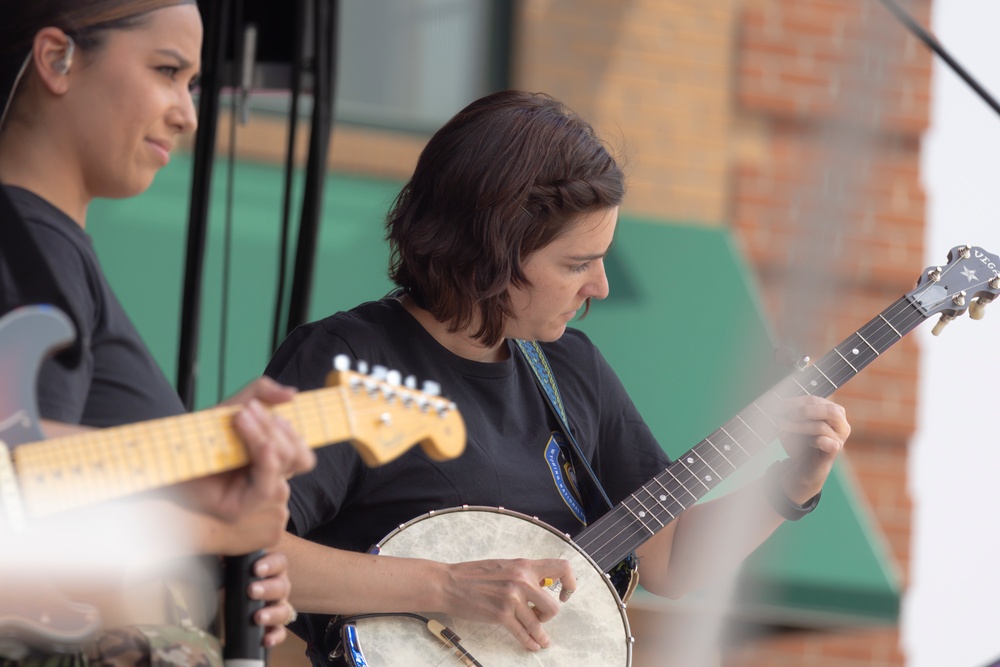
x: 683, y: 327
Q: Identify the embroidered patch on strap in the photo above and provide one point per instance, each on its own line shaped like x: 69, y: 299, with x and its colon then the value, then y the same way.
x: 562, y: 475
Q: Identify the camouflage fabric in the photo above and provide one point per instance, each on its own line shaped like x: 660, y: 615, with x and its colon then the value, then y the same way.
x: 137, y: 646
x: 182, y: 644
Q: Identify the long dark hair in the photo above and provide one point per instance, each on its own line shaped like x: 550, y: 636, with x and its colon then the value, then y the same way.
x: 86, y: 21
x: 499, y: 181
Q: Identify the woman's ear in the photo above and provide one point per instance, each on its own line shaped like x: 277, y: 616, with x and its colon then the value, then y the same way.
x: 52, y: 57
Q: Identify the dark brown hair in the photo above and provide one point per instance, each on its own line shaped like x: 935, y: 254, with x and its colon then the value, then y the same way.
x: 86, y: 21
x: 502, y: 179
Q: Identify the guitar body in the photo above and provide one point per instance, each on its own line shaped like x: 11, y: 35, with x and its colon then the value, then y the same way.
x: 29, y: 335
x: 42, y: 618
x: 591, y: 629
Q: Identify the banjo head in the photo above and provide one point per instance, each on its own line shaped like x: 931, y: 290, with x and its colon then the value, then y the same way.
x: 590, y: 629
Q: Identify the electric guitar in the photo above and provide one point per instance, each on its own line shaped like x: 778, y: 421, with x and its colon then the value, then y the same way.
x: 381, y: 418
x: 592, y: 629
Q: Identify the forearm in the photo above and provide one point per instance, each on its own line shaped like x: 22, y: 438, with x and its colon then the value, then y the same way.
x: 333, y: 581
x: 708, y: 541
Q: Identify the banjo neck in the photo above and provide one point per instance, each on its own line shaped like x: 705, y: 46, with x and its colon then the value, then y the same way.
x: 691, y: 476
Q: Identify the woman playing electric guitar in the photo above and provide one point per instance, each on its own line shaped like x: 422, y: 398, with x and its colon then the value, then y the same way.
x: 94, y: 94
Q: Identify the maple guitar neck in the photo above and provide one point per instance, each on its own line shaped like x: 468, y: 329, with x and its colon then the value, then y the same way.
x: 699, y: 470
x: 380, y: 420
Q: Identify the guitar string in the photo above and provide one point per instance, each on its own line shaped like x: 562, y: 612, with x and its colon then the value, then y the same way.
x: 838, y: 368
x: 57, y: 460
x: 64, y: 452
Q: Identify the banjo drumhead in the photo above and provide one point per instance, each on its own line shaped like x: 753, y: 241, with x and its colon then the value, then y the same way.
x: 590, y: 629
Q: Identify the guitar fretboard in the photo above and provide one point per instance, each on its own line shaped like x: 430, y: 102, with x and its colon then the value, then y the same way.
x: 381, y: 420
x: 685, y: 481
x: 104, y: 464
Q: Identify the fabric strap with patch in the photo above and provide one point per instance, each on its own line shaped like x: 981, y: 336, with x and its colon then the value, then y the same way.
x: 593, y: 496
x: 595, y: 500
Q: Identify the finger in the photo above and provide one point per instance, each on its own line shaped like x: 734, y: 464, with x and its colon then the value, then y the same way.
x: 279, y: 612
x: 273, y: 444
x: 270, y: 392
x: 544, y: 605
x: 824, y: 410
x: 271, y: 564
x: 272, y: 589
x: 569, y: 584
x: 265, y: 442
x: 296, y: 457
x: 274, y: 635
x: 263, y: 389
x: 560, y: 570
x: 528, y: 618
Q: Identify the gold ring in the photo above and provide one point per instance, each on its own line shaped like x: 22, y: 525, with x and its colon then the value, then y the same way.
x: 292, y: 614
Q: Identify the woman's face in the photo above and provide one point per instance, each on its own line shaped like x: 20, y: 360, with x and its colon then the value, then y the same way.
x: 129, y: 100
x: 563, y: 275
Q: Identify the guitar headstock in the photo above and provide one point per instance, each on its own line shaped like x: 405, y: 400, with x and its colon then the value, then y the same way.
x: 969, y: 281
x: 389, y: 415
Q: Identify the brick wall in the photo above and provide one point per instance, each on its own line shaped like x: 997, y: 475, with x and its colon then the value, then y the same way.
x: 655, y: 79
x: 834, y: 96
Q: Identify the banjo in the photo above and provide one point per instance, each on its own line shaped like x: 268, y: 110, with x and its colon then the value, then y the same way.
x: 592, y: 629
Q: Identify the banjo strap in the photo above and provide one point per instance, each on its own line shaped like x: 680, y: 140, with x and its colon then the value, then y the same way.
x: 595, y: 500
x: 624, y: 576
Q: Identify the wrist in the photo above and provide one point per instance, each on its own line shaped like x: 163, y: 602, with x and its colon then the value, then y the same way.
x: 779, y: 498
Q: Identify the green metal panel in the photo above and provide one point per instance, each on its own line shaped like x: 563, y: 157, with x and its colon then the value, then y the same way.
x: 683, y: 327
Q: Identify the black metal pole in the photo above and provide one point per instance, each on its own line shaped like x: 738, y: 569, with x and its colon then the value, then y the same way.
x: 324, y: 67
x: 216, y: 34
x: 298, y: 61
x: 936, y: 46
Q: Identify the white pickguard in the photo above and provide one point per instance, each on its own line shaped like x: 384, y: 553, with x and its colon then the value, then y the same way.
x: 591, y: 629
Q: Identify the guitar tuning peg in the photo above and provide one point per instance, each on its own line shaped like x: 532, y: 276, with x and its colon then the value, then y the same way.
x: 394, y: 378
x: 431, y: 388
x: 941, y: 324
x: 362, y: 367
x: 977, y: 308
x: 342, y: 362
x: 410, y: 382
x: 380, y: 373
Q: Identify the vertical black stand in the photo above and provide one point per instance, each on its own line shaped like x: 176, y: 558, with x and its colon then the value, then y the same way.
x: 325, y: 29
x: 310, y: 53
x: 216, y: 20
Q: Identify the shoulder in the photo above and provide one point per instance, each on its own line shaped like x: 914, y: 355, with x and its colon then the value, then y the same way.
x: 55, y: 232
x: 305, y: 357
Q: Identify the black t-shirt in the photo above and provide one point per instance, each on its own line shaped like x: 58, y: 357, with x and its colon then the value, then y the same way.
x: 117, y: 380
x: 510, y: 458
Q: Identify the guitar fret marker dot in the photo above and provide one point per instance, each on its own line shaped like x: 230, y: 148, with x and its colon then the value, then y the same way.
x: 855, y: 351
x: 708, y: 478
x: 662, y: 497
x: 690, y: 460
x: 642, y: 514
